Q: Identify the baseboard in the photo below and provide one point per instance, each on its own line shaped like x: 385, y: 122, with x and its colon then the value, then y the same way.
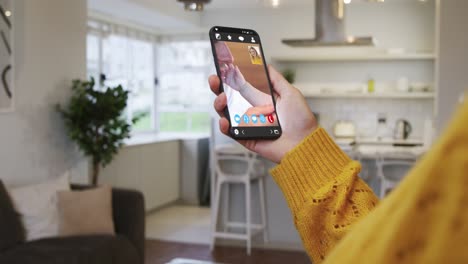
x: 164, y: 206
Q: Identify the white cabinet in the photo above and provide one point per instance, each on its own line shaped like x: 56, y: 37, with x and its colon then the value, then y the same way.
x: 151, y: 168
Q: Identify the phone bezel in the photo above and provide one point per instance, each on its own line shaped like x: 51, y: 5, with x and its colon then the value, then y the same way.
x: 261, y: 132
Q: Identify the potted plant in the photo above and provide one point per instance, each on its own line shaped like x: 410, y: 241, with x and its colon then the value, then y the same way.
x: 94, y: 120
x: 289, y: 75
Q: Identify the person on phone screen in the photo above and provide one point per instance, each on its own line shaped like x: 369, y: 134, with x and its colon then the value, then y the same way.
x: 255, y: 57
x: 240, y: 101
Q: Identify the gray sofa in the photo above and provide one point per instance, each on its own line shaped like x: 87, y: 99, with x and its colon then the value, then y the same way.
x: 126, y: 247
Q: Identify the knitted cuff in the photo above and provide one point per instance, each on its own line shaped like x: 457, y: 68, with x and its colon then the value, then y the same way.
x: 316, y: 161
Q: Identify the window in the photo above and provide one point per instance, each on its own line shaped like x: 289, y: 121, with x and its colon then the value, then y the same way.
x: 92, y: 56
x: 130, y: 62
x: 183, y: 95
x: 114, y: 59
x: 167, y: 81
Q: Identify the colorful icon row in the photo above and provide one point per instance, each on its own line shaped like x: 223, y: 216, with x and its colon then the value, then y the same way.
x: 254, y: 119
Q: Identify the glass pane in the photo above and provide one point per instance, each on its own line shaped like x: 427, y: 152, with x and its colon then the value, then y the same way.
x: 145, y: 123
x: 142, y: 83
x: 183, y: 69
x: 130, y: 63
x: 116, y: 61
x: 173, y: 121
x: 92, y: 56
x: 200, y: 122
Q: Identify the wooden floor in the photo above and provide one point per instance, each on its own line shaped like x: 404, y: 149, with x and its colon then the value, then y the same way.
x: 160, y: 252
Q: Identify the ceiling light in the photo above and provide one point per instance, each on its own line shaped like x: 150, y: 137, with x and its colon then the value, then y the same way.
x: 8, y: 13
x: 194, y: 5
x: 347, y: 1
x: 275, y: 3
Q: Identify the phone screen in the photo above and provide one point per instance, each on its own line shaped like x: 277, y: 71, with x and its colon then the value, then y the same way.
x: 241, y: 66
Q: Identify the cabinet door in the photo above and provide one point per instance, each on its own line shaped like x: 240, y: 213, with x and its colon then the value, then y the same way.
x: 124, y: 171
x: 159, y: 166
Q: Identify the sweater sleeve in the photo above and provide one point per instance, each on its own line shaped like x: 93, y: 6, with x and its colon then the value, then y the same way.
x: 324, y: 192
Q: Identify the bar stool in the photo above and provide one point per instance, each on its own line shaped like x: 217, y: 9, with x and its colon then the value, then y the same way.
x: 400, y: 164
x: 254, y: 171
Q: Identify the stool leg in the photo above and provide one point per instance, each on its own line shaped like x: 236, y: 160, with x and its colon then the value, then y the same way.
x: 261, y: 187
x: 248, y: 218
x: 214, y: 219
x: 226, y: 208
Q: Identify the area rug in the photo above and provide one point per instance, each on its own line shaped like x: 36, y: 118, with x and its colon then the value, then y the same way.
x: 190, y: 261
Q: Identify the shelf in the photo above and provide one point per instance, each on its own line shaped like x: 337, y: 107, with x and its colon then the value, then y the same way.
x: 419, y: 95
x: 355, y: 57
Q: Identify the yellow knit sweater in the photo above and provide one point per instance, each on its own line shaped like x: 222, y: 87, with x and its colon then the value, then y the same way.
x: 424, y: 220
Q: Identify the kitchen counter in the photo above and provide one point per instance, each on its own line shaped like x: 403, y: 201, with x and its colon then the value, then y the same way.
x: 389, y: 141
x: 372, y: 148
x: 368, y: 148
x: 389, y: 151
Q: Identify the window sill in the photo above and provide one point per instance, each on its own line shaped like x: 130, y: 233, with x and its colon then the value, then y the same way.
x: 151, y: 138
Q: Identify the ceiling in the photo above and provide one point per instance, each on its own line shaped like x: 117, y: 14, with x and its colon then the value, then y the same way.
x: 169, y: 15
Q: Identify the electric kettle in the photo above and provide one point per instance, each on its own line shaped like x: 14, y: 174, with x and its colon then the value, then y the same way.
x: 402, y: 129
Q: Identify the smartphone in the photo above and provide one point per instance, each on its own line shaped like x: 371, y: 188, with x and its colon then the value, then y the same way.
x: 241, y: 67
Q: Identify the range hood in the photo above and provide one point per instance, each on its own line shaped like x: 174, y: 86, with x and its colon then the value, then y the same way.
x: 329, y: 28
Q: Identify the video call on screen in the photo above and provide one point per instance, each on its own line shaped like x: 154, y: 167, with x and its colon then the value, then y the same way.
x: 245, y: 80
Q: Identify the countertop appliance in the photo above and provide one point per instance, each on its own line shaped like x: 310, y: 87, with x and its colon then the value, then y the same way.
x: 344, y: 130
x: 402, y: 129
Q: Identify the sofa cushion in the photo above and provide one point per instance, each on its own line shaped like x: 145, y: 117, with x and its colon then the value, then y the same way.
x: 11, y: 228
x: 86, y: 212
x: 97, y: 249
x: 37, y: 205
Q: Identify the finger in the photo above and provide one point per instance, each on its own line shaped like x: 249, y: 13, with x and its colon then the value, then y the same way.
x: 214, y: 82
x: 280, y: 85
x: 220, y: 104
x: 264, y: 109
x: 224, y: 126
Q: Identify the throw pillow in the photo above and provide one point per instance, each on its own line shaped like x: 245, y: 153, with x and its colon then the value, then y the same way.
x: 11, y: 229
x: 86, y: 212
x: 37, y: 205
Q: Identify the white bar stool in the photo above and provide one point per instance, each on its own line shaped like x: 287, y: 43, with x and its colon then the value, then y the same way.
x: 401, y: 164
x: 254, y: 171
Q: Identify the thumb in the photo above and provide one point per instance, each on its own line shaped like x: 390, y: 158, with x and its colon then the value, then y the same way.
x: 280, y: 85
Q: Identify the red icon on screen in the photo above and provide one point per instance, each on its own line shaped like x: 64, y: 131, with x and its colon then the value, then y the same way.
x: 270, y: 118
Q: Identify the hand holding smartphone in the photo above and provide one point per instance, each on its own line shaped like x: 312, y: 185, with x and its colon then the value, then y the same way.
x: 241, y: 67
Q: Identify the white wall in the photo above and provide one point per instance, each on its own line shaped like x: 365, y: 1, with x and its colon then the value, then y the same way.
x: 162, y: 16
x: 50, y: 51
x: 453, y: 57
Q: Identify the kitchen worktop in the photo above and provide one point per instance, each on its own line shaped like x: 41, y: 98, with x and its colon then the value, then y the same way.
x: 373, y: 147
x: 389, y: 141
x: 389, y: 151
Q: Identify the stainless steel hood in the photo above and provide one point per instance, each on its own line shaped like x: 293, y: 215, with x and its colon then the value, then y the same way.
x: 329, y: 28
